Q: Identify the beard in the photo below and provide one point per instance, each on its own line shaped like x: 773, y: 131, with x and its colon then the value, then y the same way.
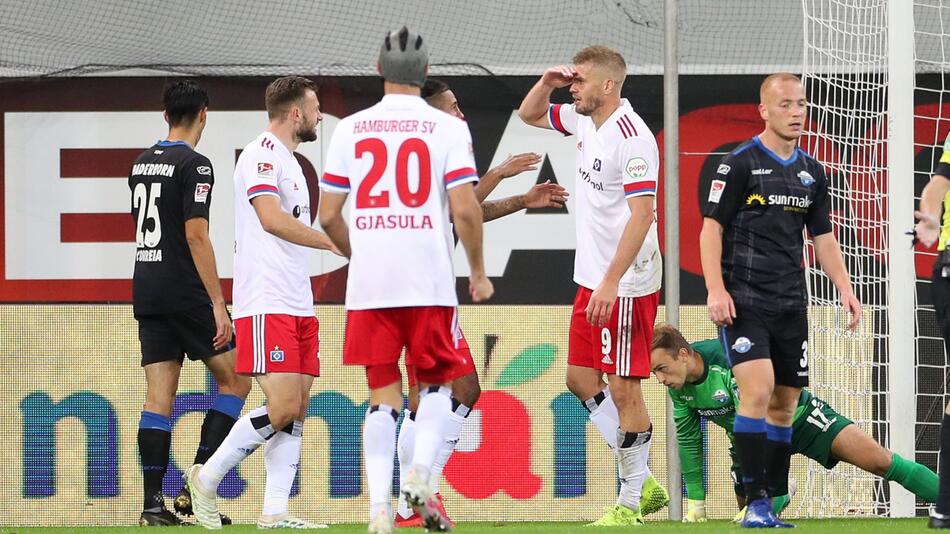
x: 588, y: 105
x: 307, y: 133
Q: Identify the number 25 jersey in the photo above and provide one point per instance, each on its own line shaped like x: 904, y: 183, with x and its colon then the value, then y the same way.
x: 397, y: 160
x: 170, y: 183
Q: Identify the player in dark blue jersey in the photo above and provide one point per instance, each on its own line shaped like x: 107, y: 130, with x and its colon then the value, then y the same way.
x: 176, y: 294
x: 763, y: 196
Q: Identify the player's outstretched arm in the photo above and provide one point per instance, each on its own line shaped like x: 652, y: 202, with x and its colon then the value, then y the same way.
x: 196, y: 233
x: 512, y: 166
x: 331, y: 219
x: 690, y: 449
x: 467, y: 215
x: 719, y: 303
x: 927, y: 229
x: 276, y: 221
x: 534, y: 107
x: 828, y: 253
x: 634, y: 233
x: 546, y: 195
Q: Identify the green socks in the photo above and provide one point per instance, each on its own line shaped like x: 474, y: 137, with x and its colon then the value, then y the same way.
x: 919, y: 480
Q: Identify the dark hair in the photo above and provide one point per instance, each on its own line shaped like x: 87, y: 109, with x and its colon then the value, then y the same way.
x: 183, y: 101
x: 284, y: 92
x: 434, y: 87
x: 668, y: 338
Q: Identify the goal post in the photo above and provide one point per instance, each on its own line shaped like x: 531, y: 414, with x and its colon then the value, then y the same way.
x: 901, y: 295
x: 859, y: 73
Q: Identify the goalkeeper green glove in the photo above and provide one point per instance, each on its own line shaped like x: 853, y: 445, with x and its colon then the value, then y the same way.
x: 695, y: 511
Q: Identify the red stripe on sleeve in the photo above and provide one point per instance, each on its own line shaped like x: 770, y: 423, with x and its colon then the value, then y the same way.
x: 458, y: 173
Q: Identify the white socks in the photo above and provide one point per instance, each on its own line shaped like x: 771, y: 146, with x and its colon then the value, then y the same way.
x: 633, y: 450
x: 248, y: 433
x: 281, y: 459
x: 405, y: 448
x: 379, y: 443
x: 605, y: 419
x: 453, y: 431
x: 435, y: 407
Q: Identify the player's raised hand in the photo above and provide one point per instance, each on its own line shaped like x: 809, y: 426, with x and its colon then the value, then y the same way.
x: 480, y: 288
x: 223, y: 327
x: 517, y: 164
x: 546, y: 195
x: 853, y: 306
x: 722, y: 310
x: 695, y: 511
x: 601, y: 303
x: 558, y: 76
x: 927, y: 229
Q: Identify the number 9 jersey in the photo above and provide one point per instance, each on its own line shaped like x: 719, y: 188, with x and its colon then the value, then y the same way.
x: 399, y: 158
x: 170, y: 183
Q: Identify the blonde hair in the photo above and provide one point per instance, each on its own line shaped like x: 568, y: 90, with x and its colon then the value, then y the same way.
x: 606, y: 58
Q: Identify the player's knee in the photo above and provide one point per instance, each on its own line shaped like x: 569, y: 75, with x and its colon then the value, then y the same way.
x: 581, y: 387
x: 283, y: 413
x: 467, y: 390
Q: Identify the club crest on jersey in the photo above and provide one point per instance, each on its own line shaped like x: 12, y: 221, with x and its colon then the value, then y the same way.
x: 715, y: 191
x: 637, y: 168
x: 723, y: 169
x: 265, y: 169
x: 201, y: 192
x: 742, y: 345
x: 276, y: 355
x: 720, y: 396
x: 204, y: 170
x: 597, y: 164
x: 806, y: 178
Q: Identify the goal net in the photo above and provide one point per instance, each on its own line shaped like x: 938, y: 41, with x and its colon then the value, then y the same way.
x: 848, y: 79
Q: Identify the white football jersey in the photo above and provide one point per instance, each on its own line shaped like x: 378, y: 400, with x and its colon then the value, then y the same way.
x: 397, y: 160
x: 270, y: 275
x: 614, y: 163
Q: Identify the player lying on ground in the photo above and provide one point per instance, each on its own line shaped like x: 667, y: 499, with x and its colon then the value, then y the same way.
x: 465, y: 389
x: 701, y: 384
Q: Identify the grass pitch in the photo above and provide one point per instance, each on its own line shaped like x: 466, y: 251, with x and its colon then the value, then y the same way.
x: 830, y: 526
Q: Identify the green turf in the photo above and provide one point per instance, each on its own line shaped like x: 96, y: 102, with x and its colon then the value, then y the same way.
x: 830, y: 526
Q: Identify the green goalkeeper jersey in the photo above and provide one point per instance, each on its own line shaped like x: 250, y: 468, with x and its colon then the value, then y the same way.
x: 715, y: 397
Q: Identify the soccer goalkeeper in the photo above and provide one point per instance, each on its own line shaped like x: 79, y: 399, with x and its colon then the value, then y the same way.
x: 700, y: 384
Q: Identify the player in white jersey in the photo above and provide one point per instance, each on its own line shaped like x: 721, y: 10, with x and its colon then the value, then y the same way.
x: 617, y: 263
x: 465, y: 389
x: 406, y: 164
x: 273, y: 304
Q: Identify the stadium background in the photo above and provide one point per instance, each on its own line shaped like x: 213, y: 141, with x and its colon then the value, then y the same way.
x: 68, y: 347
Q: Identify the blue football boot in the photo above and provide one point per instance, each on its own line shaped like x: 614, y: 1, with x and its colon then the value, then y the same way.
x: 759, y: 515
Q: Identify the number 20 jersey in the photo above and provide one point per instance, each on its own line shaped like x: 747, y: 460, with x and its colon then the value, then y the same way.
x: 170, y: 183
x: 397, y: 160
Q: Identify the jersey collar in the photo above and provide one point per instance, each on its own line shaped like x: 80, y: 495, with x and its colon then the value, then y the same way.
x: 400, y: 100
x: 277, y: 142
x: 705, y: 374
x: 166, y: 143
x: 621, y: 109
x: 773, y: 155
